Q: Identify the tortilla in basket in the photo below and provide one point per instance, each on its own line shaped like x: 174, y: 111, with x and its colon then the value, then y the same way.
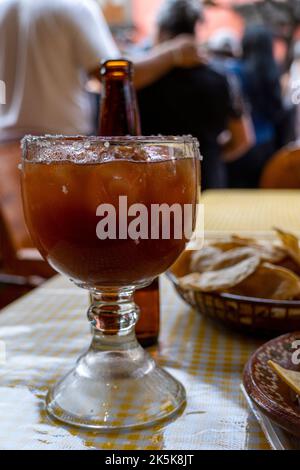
x: 224, y: 277
x: 201, y: 260
x: 266, y: 250
x: 291, y: 244
x: 269, y: 282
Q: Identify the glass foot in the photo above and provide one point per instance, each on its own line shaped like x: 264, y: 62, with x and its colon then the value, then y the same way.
x: 116, y: 389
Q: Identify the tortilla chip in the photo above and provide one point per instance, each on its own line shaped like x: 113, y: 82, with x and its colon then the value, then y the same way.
x: 269, y: 282
x: 221, y: 279
x: 232, y: 257
x: 202, y: 260
x: 290, y: 377
x: 211, y: 258
x: 289, y: 263
x: 290, y: 243
x: 266, y: 249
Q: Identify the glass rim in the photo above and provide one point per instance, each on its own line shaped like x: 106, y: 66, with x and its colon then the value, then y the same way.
x: 95, y: 149
x: 151, y: 139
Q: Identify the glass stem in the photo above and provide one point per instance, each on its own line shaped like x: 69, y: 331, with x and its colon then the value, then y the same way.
x: 113, y: 316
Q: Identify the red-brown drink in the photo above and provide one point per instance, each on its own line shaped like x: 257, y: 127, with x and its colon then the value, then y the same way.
x: 91, y: 207
x: 61, y: 201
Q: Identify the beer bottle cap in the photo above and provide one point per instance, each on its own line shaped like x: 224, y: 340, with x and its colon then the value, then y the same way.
x: 116, y: 68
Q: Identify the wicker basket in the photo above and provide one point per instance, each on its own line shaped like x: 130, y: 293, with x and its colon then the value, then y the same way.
x: 252, y: 315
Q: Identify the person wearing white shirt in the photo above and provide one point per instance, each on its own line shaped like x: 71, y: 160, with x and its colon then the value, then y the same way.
x: 48, y: 49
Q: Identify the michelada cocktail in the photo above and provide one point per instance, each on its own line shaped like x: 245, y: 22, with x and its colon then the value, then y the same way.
x: 112, y: 214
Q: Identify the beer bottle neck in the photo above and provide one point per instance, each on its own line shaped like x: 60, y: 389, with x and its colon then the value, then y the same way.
x: 118, y: 108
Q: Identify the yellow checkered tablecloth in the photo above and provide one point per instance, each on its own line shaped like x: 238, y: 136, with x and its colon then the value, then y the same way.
x: 251, y: 211
x: 44, y: 334
x: 45, y: 331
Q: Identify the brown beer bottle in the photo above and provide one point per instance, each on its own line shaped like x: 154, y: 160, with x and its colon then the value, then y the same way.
x: 119, y: 116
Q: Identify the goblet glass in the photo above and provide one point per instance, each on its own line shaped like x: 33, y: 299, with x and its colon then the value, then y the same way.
x: 111, y: 214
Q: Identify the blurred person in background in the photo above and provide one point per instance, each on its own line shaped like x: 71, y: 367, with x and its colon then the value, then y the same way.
x: 195, y: 101
x: 224, y: 44
x: 291, y: 88
x: 259, y: 77
x: 224, y: 47
x: 48, y: 49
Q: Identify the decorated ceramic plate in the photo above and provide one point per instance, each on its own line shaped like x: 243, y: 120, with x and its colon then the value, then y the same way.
x: 273, y: 397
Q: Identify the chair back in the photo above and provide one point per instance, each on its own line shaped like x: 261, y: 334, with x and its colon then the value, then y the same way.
x: 283, y: 169
x: 13, y: 231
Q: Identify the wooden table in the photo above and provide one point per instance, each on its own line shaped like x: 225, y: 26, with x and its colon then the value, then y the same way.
x: 42, y: 343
